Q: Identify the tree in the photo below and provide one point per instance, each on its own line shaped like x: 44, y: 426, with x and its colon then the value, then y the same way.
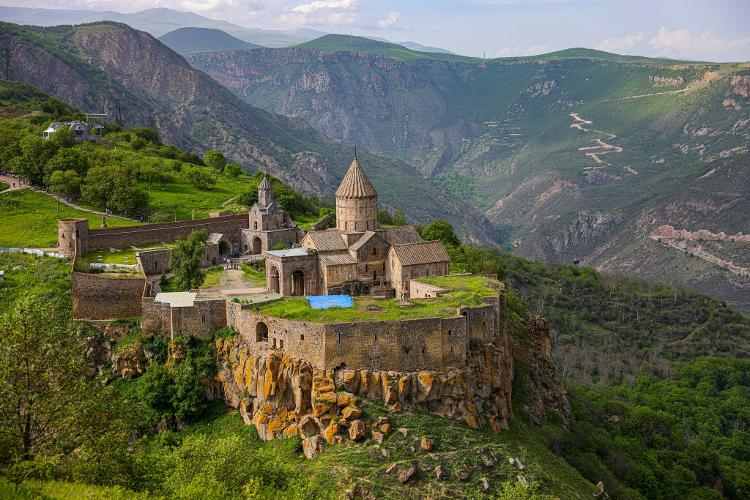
x: 113, y: 187
x: 35, y: 153
x: 215, y: 159
x: 198, y: 178
x: 233, y: 170
x: 440, y: 230
x: 138, y: 143
x: 185, y: 261
x: 64, y: 183
x: 68, y: 159
x: 42, y: 376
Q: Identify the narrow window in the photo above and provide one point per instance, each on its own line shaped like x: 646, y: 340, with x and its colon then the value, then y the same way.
x: 78, y: 234
x: 449, y: 332
x: 301, y: 338
x: 375, y: 251
x: 281, y: 343
x: 274, y: 343
x: 423, y: 350
x: 338, y: 340
x: 203, y: 318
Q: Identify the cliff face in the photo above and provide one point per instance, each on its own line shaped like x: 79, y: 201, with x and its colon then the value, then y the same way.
x: 92, y: 66
x: 284, y: 396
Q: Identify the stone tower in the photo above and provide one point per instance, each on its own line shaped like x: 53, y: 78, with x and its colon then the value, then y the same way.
x: 356, y: 201
x: 265, y: 192
x: 72, y: 236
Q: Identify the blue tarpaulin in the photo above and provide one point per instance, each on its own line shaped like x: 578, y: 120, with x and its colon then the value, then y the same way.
x: 326, y: 301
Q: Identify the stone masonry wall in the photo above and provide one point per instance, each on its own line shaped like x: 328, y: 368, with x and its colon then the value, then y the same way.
x: 122, y: 237
x: 204, y: 318
x: 97, y: 297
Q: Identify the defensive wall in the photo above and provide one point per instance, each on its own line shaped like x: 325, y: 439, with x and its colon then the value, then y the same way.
x: 400, y: 345
x: 98, y: 297
x: 75, y: 237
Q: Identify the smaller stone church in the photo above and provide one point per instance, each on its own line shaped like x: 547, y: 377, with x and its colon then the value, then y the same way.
x: 270, y: 226
x: 355, y: 257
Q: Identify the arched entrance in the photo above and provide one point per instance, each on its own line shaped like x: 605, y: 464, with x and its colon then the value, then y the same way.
x: 257, y: 245
x: 273, y: 284
x: 298, y: 283
x: 225, y: 248
x: 261, y: 332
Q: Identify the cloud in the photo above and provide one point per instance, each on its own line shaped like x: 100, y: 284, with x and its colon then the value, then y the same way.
x: 680, y: 43
x: 624, y: 43
x: 531, y: 50
x: 318, y: 5
x: 389, y: 20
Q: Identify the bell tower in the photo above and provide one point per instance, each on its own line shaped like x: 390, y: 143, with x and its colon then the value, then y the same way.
x: 356, y: 201
x: 265, y: 192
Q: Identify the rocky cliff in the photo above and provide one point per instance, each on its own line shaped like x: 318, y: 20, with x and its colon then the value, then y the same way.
x: 283, y: 396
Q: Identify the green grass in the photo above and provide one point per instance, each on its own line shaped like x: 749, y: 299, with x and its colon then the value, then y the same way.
x: 479, y: 285
x: 253, y: 274
x: 34, y: 490
x: 368, y: 309
x: 123, y: 256
x: 3, y: 186
x: 212, y: 277
x: 30, y: 219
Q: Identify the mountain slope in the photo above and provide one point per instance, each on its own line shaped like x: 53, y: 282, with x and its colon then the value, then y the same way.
x: 89, y: 65
x: 188, y: 40
x: 578, y: 154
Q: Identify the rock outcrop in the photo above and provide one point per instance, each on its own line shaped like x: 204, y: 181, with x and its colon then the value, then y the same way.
x: 284, y: 396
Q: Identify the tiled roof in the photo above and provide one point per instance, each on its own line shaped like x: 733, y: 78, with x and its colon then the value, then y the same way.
x: 215, y: 237
x: 264, y: 184
x: 364, y: 239
x: 355, y: 183
x: 426, y: 252
x: 399, y: 235
x: 327, y: 241
x: 337, y: 259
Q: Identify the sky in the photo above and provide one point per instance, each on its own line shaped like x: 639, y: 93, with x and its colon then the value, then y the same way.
x: 716, y: 30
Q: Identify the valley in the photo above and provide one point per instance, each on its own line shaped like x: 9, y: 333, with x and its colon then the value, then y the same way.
x: 573, y: 155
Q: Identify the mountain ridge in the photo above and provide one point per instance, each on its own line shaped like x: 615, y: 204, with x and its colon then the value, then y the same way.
x: 90, y: 65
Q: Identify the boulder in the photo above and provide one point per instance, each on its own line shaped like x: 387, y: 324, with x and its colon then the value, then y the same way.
x: 346, y: 399
x: 403, y: 431
x: 377, y: 437
x: 331, y: 432
x: 357, y: 430
x: 439, y: 472
x: 312, y: 446
x: 407, y: 473
x: 385, y: 428
x: 308, y: 426
x: 351, y: 412
x: 426, y: 444
x: 484, y: 484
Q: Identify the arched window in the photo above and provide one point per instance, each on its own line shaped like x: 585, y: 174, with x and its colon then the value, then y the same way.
x: 261, y: 332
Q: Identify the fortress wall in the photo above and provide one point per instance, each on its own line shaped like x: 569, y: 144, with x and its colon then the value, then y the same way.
x: 154, y: 261
x: 204, y: 318
x: 409, y: 345
x: 155, y: 319
x: 98, y: 297
x: 480, y: 322
x: 167, y: 232
x: 300, y: 339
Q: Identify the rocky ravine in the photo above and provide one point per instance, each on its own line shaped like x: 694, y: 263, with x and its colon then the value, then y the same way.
x: 284, y: 396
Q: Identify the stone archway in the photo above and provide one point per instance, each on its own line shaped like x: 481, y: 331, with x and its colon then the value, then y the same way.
x: 225, y: 248
x: 273, y: 282
x: 257, y: 245
x: 261, y: 332
x: 298, y: 283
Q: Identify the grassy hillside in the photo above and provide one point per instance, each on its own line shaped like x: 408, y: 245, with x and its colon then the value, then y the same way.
x: 347, y: 43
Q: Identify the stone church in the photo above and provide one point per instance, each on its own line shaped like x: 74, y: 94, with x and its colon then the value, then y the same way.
x: 355, y: 257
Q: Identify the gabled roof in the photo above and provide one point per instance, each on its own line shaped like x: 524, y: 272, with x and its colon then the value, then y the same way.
x: 215, y: 237
x: 400, y: 235
x: 364, y: 239
x: 337, y: 259
x: 326, y: 241
x: 426, y: 252
x: 355, y: 183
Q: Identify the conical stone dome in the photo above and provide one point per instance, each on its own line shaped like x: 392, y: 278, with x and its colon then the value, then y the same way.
x: 355, y: 184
